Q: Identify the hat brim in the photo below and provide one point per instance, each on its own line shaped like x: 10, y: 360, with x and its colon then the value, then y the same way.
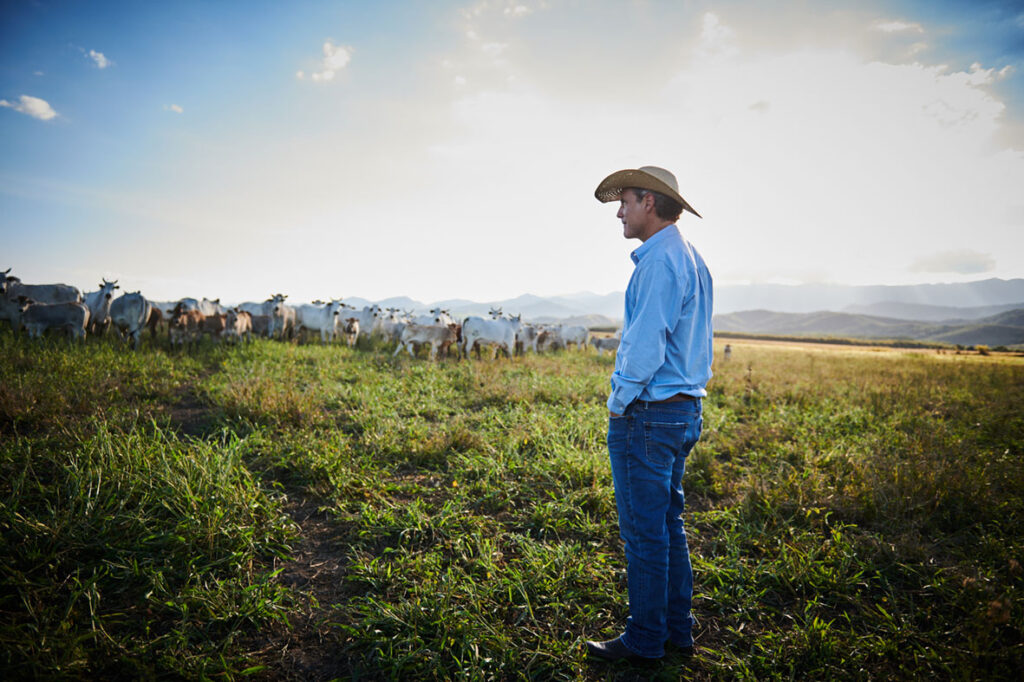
x: 611, y: 187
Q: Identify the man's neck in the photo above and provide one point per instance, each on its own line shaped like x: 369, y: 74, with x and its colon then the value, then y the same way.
x: 655, y: 228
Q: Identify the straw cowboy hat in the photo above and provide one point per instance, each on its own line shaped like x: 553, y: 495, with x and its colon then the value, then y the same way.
x: 646, y: 177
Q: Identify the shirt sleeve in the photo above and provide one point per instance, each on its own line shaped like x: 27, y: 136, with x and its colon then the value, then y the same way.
x: 659, y: 299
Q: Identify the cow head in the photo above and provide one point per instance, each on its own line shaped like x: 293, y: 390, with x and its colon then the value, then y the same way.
x: 107, y: 288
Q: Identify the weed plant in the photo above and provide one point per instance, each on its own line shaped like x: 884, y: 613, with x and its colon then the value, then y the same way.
x: 851, y: 514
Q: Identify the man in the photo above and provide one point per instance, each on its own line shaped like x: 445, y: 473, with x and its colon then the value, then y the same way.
x: 661, y: 370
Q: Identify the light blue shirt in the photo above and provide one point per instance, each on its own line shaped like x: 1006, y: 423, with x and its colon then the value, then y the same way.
x: 666, y: 345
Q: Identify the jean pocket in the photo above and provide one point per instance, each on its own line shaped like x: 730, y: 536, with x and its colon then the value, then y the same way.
x: 664, y: 441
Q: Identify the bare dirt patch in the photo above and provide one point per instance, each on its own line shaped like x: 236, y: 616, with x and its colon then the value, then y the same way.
x: 309, y: 649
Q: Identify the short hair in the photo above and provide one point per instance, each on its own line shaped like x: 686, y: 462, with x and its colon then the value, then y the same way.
x: 665, y: 207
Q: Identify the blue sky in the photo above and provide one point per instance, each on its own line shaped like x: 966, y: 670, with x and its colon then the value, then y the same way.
x: 450, y: 149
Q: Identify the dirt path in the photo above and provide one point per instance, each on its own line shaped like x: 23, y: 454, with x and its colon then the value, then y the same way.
x: 309, y: 650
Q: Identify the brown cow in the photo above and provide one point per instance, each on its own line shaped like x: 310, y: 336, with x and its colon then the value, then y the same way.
x: 155, y: 318
x: 238, y: 322
x: 351, y: 331
x: 214, y: 325
x: 185, y: 326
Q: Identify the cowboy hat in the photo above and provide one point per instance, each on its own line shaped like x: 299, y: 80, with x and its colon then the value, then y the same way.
x: 646, y: 177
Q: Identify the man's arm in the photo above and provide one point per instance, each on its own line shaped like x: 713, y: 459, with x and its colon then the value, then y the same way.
x: 642, y: 350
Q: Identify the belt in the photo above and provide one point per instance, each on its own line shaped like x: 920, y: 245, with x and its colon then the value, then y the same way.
x: 677, y: 398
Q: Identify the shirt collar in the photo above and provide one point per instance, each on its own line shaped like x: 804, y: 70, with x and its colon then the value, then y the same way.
x: 653, y: 242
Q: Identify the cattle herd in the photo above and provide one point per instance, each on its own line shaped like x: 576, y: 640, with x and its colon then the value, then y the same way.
x: 36, y: 308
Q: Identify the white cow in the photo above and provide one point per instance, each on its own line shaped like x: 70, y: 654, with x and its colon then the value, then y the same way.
x: 435, y: 316
x: 99, y: 306
x: 609, y: 344
x: 38, y: 317
x: 262, y: 309
x: 500, y: 333
x: 576, y: 334
x: 12, y: 287
x: 129, y: 314
x: 560, y: 336
x: 284, y: 319
x: 439, y: 336
x: 390, y: 324
x: 527, y: 338
x: 321, y: 318
x: 208, y: 307
x: 369, y: 318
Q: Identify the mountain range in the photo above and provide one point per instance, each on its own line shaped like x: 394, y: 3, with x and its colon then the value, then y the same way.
x: 1004, y: 329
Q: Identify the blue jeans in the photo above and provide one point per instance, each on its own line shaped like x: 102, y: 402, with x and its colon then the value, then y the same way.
x: 648, y: 446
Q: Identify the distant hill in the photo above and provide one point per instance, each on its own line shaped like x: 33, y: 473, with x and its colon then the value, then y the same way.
x: 929, y: 313
x: 805, y: 298
x: 588, y: 321
x: 1003, y: 329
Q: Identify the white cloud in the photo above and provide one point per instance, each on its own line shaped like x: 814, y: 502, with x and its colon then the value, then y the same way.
x: 101, y: 61
x: 493, y: 50
x: 962, y: 261
x: 716, y: 39
x: 31, y: 106
x: 336, y: 58
x: 518, y: 10
x: 175, y: 108
x: 899, y: 27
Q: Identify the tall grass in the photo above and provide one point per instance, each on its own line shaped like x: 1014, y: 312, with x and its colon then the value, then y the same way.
x: 851, y: 514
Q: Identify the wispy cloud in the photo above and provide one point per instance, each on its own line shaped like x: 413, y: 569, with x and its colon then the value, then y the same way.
x: 899, y: 27
x: 517, y: 10
x: 716, y: 39
x: 336, y: 58
x: 31, y: 106
x: 99, y: 58
x: 962, y: 261
x: 175, y: 108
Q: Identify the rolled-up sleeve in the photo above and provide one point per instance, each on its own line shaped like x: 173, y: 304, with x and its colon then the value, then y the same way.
x: 656, y: 302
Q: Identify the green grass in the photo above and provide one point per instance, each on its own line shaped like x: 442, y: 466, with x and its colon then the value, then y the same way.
x: 851, y: 514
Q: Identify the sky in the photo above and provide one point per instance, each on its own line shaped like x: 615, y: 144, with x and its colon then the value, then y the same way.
x: 443, y: 150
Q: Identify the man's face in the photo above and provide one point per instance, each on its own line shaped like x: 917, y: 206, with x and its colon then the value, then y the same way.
x: 632, y: 215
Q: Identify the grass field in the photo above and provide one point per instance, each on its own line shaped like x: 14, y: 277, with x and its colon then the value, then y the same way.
x: 297, y: 512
